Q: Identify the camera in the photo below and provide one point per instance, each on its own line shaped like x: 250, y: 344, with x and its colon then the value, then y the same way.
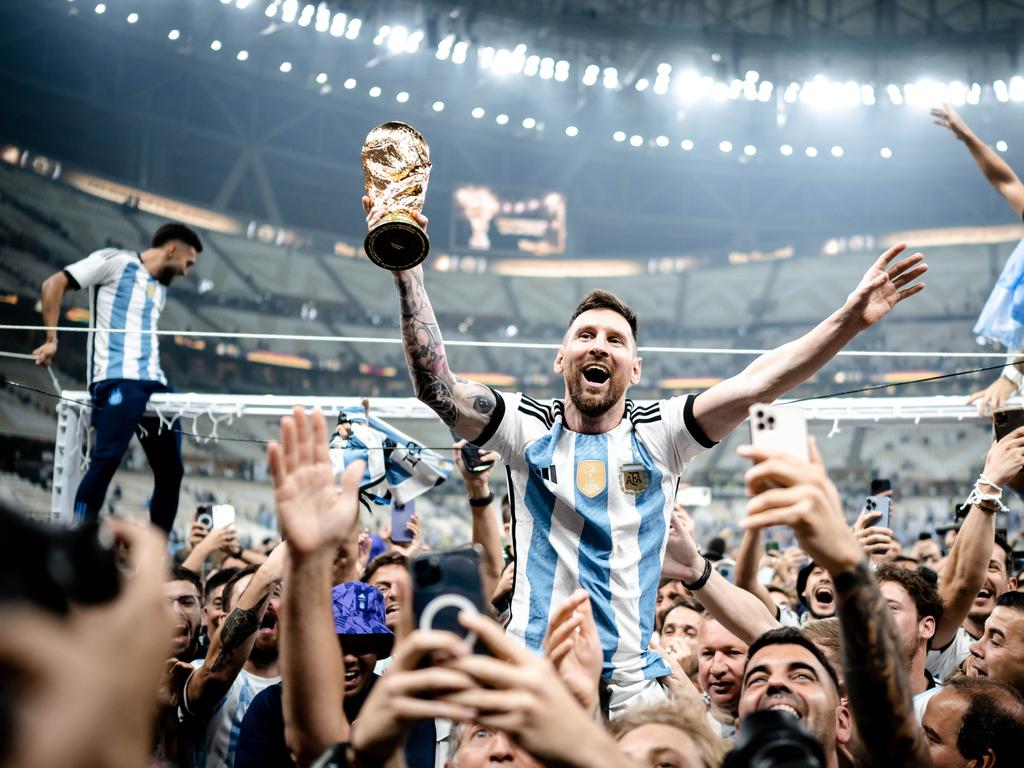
x: 774, y: 739
x: 53, y: 567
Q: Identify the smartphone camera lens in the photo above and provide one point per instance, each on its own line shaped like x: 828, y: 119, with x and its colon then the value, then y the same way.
x: 760, y: 414
x: 771, y: 420
x: 760, y: 425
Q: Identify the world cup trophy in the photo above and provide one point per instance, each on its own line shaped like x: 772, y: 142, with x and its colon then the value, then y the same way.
x: 396, y: 169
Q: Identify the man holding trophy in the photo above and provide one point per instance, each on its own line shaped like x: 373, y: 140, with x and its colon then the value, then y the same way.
x: 592, y: 474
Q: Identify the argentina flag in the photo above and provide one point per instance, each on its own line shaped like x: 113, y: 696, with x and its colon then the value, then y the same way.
x: 1002, y: 318
x: 398, y: 468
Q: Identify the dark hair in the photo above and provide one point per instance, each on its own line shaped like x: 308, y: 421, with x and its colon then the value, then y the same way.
x: 993, y: 721
x: 176, y: 231
x: 218, y: 578
x: 792, y: 636
x: 922, y: 592
x: 1011, y: 599
x: 506, y: 509
x: 387, y: 558
x: 229, y: 586
x: 184, y: 574
x: 677, y: 602
x: 599, y: 299
x: 1004, y: 545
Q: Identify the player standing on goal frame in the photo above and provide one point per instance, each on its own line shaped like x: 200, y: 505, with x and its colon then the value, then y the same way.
x: 592, y: 475
x: 127, y: 294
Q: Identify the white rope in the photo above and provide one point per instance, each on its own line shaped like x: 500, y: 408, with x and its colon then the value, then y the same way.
x: 492, y: 344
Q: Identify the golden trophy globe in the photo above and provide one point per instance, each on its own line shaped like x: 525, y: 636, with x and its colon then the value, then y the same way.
x: 396, y: 169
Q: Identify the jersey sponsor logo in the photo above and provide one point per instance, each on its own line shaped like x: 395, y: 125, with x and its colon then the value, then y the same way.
x: 591, y: 477
x: 633, y: 478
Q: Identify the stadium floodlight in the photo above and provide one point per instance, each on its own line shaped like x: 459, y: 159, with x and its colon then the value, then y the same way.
x: 1017, y: 88
x: 894, y: 93
x: 1001, y: 145
x: 354, y: 26
x: 100, y: 8
x: 611, y: 77
x: 686, y: 145
x: 956, y: 93
x: 665, y: 69
x: 459, y: 52
x: 661, y: 141
x: 485, y: 57
x: 661, y: 84
x: 867, y: 94
x: 501, y: 119
x: 885, y: 152
x: 397, y: 39
x: 413, y: 43
x: 402, y: 96
x: 974, y: 94
x: 306, y: 17
x: 636, y: 140
x: 289, y: 10
x: 271, y: 10
x: 590, y: 74
x: 619, y: 136
x: 215, y: 45
x: 242, y: 55
x: 132, y: 18
x: 323, y: 18
x: 286, y: 67
x: 642, y: 84
x: 725, y: 146
x: 529, y: 122
x: 242, y: 4
x: 444, y: 47
x: 531, y: 65
x: 792, y: 93
x: 437, y: 106
x: 174, y: 34
x: 786, y: 150
x: 1001, y: 91
x: 338, y: 24
x: 374, y: 92
x: 764, y: 91
x: 572, y: 131
x: 350, y: 84
x: 752, y: 76
x: 561, y: 75
x: 478, y: 112
x: 837, y: 151
x: 811, y: 151
x: 750, y: 150
x: 321, y: 78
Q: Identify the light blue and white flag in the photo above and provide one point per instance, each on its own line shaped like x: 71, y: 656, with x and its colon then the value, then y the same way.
x: 1002, y: 317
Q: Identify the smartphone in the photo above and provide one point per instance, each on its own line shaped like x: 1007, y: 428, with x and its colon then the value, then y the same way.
x: 445, y: 582
x: 779, y: 428
x: 222, y: 515
x: 471, y: 457
x: 1004, y: 421
x: 881, y: 504
x: 401, y: 514
x: 204, y: 516
x: 771, y: 548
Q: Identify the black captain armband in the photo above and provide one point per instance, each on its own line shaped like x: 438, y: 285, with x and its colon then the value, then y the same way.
x: 699, y: 583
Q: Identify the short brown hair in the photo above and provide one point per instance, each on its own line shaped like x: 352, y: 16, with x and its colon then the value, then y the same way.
x: 677, y: 602
x: 686, y: 715
x: 922, y: 592
x: 824, y: 633
x: 598, y: 299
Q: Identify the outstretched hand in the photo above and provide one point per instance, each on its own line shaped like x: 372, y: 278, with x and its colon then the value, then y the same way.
x: 574, y: 647
x: 947, y: 117
x: 314, y: 517
x: 993, y: 396
x: 883, y: 287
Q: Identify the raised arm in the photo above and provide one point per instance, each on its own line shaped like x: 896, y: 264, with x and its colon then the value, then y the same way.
x: 51, y: 296
x: 486, y: 532
x: 873, y: 657
x: 740, y: 612
x: 231, y: 646
x: 464, y: 406
x: 999, y: 174
x: 745, y: 574
x: 963, y: 573
x: 725, y: 405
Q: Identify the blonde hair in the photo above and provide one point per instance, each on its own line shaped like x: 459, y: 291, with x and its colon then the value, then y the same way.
x: 686, y: 715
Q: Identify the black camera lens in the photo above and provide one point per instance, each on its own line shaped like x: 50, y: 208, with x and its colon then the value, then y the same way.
x: 760, y: 414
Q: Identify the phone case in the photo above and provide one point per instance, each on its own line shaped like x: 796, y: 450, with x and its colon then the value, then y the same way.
x: 779, y: 428
x: 444, y: 582
x: 401, y: 514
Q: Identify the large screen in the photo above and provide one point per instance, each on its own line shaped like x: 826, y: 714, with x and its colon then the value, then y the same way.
x: 488, y: 220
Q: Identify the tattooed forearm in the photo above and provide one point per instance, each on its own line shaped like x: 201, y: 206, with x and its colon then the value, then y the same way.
x: 239, y: 625
x: 875, y: 669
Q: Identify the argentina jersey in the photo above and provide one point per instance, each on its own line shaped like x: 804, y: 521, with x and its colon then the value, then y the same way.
x: 123, y: 295
x: 593, y: 511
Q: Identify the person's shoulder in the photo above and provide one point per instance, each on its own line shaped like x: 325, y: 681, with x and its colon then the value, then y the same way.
x: 542, y: 412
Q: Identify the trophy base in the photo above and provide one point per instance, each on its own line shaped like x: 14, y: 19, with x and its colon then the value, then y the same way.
x: 397, y: 243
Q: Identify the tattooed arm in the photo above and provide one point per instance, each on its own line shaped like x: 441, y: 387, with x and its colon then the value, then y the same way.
x: 230, y: 647
x: 874, y: 666
x: 464, y: 406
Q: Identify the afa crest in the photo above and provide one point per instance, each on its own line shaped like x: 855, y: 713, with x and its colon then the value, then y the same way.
x: 633, y: 478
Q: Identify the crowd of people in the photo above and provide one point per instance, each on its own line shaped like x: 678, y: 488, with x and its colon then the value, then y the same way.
x: 591, y: 630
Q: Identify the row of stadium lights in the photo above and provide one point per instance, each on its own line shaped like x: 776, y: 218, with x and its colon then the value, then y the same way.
x: 398, y: 39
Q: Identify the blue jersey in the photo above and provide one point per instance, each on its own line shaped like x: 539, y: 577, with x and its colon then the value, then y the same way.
x: 593, y: 511
x: 123, y: 295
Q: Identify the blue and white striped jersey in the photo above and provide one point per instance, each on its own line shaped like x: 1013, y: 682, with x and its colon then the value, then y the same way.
x: 593, y: 511
x: 123, y: 295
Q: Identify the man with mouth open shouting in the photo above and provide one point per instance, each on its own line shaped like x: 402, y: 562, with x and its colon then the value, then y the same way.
x: 592, y: 474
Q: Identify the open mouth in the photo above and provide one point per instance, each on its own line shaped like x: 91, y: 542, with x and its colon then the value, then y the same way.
x: 595, y: 374
x: 985, y: 594
x: 785, y: 708
x: 824, y: 595
x: 269, y: 623
x: 393, y: 608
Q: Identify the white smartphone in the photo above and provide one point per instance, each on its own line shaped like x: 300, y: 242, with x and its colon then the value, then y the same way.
x: 223, y: 515
x: 779, y: 428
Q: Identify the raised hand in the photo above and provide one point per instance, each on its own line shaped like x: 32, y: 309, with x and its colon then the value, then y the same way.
x: 574, y: 647
x: 312, y: 514
x: 993, y: 396
x: 1005, y: 458
x: 947, y: 117
x: 884, y: 286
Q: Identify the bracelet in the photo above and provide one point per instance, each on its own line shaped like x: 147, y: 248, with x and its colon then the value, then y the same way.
x: 238, y: 553
x: 483, y: 501
x: 987, y: 501
x: 699, y: 583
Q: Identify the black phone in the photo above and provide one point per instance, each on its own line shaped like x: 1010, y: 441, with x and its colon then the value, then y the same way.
x: 471, y: 457
x: 1005, y: 421
x: 204, y: 515
x: 445, y: 582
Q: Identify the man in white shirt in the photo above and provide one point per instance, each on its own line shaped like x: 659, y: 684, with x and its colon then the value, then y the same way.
x: 127, y: 292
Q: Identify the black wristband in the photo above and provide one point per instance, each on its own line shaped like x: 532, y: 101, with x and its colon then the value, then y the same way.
x: 238, y: 553
x: 483, y: 501
x: 699, y: 583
